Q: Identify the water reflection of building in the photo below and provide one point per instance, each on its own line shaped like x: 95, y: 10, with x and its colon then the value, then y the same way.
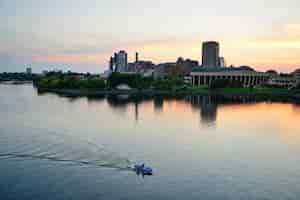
x: 118, y: 102
x: 158, y: 103
x: 136, y: 111
x: 122, y: 102
x: 207, y: 106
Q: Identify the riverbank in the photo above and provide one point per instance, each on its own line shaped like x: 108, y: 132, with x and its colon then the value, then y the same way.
x: 15, y: 82
x: 267, y: 93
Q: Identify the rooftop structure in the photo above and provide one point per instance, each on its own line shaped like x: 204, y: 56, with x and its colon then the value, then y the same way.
x: 182, y: 67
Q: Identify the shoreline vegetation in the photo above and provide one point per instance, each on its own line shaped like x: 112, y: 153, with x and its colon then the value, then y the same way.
x: 259, y: 93
x: 17, y: 78
x: 91, y: 85
x: 15, y: 82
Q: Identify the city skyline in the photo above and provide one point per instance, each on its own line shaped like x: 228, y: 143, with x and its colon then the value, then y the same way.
x: 83, y: 36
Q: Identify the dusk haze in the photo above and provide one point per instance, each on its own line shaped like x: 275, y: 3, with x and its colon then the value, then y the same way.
x: 149, y: 100
x: 81, y: 35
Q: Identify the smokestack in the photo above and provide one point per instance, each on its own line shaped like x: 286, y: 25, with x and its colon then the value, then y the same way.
x: 136, y: 57
x: 111, y: 64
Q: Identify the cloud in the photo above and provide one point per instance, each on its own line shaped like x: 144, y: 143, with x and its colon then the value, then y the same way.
x: 158, y: 49
x: 293, y: 28
x: 279, y: 49
x: 75, y: 58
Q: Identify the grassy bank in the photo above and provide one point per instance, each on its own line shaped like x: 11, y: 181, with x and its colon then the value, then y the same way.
x: 259, y: 93
x: 93, y: 86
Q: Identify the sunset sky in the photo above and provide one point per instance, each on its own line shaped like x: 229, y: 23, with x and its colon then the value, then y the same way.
x: 81, y: 35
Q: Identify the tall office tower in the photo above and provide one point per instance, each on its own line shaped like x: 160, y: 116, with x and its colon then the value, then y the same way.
x: 121, y: 61
x: 210, y: 54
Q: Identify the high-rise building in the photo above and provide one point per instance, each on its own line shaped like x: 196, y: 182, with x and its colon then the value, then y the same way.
x: 28, y: 70
x: 210, y: 54
x: 120, y: 61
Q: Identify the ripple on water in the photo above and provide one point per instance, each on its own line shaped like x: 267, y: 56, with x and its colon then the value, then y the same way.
x: 61, y: 148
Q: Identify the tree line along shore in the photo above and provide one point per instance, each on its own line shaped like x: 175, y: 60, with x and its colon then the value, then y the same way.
x: 85, y: 85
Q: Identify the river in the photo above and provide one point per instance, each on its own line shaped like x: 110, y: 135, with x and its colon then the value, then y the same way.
x: 200, y: 147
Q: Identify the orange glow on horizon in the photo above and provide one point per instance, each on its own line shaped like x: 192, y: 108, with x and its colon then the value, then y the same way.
x: 286, y: 115
x: 263, y: 53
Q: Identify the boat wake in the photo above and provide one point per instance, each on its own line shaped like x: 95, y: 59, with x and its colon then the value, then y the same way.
x: 64, y: 149
x: 126, y: 165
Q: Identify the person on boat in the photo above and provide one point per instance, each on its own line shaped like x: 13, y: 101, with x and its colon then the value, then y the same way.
x: 139, y: 168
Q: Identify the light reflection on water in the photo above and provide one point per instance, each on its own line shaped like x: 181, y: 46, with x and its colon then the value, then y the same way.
x: 208, y: 147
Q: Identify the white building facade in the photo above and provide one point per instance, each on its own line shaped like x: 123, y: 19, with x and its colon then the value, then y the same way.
x: 282, y: 81
x: 246, y: 77
x: 296, y: 75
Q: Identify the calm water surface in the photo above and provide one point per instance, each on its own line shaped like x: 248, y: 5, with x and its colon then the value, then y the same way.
x: 55, y: 147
